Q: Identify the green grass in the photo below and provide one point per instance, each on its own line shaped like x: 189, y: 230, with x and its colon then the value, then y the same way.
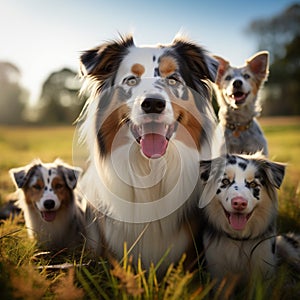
x: 22, y: 272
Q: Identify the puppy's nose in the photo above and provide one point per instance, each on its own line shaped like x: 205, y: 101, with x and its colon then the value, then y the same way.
x: 49, y: 204
x: 237, y: 83
x: 239, y: 203
x: 153, y: 105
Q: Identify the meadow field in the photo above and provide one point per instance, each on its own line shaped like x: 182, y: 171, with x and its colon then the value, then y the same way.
x: 22, y: 266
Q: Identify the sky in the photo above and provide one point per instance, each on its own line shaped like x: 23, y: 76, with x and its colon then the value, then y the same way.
x: 41, y: 37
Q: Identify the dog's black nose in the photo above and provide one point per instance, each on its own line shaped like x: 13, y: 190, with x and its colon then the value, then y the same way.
x: 153, y: 105
x: 49, y: 204
x: 237, y: 83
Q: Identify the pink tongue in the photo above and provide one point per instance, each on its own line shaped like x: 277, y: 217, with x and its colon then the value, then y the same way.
x: 237, y: 221
x: 49, y: 216
x: 239, y: 97
x: 154, y: 145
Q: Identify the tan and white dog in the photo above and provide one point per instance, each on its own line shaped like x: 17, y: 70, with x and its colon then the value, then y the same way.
x: 52, y: 214
x: 146, y: 125
x: 237, y: 94
x: 240, y: 236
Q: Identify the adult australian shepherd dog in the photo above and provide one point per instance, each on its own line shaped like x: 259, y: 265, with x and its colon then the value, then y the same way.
x: 146, y: 125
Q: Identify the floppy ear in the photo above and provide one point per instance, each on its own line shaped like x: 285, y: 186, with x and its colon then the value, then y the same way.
x: 71, y: 174
x: 102, y: 61
x: 20, y: 176
x: 198, y: 61
x: 223, y: 65
x: 275, y: 173
x: 259, y: 64
x: 210, y: 172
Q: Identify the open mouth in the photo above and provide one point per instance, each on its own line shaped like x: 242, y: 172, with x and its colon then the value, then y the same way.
x: 153, y: 137
x: 239, y: 97
x: 48, y: 216
x: 237, y: 221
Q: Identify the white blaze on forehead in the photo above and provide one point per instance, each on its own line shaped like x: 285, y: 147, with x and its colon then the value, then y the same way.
x: 238, y: 173
x: 146, y: 56
x: 49, y: 173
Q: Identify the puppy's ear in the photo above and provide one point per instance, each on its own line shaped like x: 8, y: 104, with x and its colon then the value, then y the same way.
x: 20, y: 176
x: 71, y: 174
x: 275, y: 172
x: 223, y: 66
x: 102, y: 61
x: 259, y: 64
x: 210, y: 172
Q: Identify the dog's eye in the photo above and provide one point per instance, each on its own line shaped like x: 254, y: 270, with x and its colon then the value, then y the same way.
x: 131, y: 81
x: 225, y: 181
x: 253, y: 184
x: 228, y: 77
x: 246, y: 76
x: 172, y: 80
x: 37, y: 187
x: 58, y: 186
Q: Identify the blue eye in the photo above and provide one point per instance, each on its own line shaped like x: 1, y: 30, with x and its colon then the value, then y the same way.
x: 246, y: 76
x: 228, y: 77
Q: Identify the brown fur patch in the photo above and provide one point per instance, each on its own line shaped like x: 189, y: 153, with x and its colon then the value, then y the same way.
x: 114, y: 121
x: 138, y: 70
x: 32, y: 193
x: 190, y: 121
x: 61, y: 190
x: 167, y: 66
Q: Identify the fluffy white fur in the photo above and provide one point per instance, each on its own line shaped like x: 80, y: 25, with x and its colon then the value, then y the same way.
x: 148, y: 202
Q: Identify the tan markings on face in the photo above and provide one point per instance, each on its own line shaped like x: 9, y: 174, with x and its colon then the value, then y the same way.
x: 230, y: 172
x: 34, y: 192
x: 255, y: 81
x: 61, y: 190
x: 113, y: 123
x: 138, y: 70
x: 190, y: 122
x: 167, y: 66
x: 254, y: 86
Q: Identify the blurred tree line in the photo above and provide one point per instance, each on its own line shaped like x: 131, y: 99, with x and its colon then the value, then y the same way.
x: 280, y: 35
x: 59, y: 102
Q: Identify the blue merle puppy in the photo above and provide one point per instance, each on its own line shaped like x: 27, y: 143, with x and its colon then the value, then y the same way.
x: 52, y: 212
x: 240, y: 200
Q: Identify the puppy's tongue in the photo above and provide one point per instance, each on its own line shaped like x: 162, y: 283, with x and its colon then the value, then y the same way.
x: 239, y: 97
x: 48, y: 216
x: 237, y: 221
x: 153, y: 140
x: 154, y: 145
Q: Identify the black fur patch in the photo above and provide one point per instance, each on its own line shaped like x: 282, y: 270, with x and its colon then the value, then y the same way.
x: 291, y: 241
x: 231, y: 160
x: 242, y: 165
x: 156, y: 72
x: 256, y: 192
x: 273, y: 246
